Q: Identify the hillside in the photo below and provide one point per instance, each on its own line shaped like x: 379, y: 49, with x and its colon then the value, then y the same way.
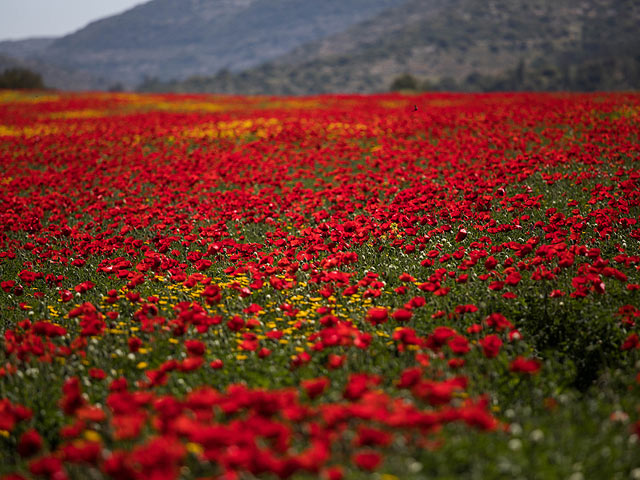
x: 450, y: 42
x: 26, y: 48
x: 167, y: 39
x: 302, y: 47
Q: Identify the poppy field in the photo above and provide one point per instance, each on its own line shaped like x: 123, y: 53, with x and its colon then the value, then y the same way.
x: 389, y: 287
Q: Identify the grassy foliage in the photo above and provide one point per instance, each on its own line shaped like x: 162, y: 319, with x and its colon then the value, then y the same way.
x: 425, y: 286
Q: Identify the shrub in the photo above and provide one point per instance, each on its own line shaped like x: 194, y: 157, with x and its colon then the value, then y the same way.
x: 21, y: 78
x: 405, y: 81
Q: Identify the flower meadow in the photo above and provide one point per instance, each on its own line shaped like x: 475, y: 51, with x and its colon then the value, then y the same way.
x: 389, y: 287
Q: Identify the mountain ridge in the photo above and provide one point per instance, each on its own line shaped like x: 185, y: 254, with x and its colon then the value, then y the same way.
x: 299, y: 47
x: 454, y: 39
x: 166, y: 39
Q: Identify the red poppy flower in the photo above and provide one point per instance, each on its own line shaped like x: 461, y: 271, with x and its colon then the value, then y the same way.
x: 461, y: 235
x: 377, y: 315
x: 524, y: 365
x: 491, y: 345
x: 631, y: 342
x: 195, y: 348
x: 315, y: 387
x: 30, y: 443
x: 367, y: 460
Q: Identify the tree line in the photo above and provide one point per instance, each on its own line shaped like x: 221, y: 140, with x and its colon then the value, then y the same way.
x: 601, y: 74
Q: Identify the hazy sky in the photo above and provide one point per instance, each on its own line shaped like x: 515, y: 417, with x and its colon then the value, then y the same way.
x: 37, y: 18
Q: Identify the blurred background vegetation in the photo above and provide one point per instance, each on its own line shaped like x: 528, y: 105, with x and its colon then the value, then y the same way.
x: 600, y: 74
x: 20, y: 78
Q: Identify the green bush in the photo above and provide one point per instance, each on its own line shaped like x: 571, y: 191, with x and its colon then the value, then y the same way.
x: 21, y: 78
x: 404, y: 82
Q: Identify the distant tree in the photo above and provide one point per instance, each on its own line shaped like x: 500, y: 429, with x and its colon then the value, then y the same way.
x: 405, y: 81
x: 151, y: 84
x: 519, y: 74
x: 116, y: 87
x: 428, y: 85
x: 21, y: 78
x: 447, y: 84
x: 474, y: 82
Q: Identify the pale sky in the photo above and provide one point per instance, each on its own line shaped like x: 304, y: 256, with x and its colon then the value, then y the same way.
x: 42, y: 18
